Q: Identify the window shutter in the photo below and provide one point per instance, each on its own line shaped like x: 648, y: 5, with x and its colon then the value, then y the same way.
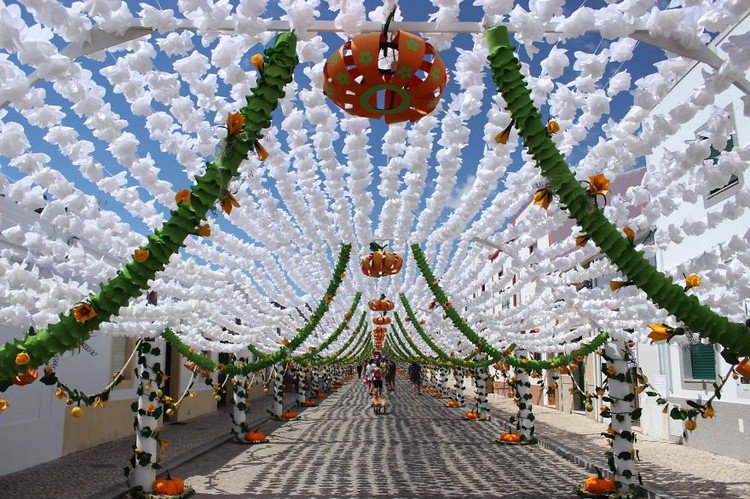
x: 703, y: 361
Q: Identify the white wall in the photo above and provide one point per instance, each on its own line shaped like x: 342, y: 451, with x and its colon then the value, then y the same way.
x: 664, y: 365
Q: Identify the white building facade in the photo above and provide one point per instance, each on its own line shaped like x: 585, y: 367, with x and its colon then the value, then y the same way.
x: 680, y: 373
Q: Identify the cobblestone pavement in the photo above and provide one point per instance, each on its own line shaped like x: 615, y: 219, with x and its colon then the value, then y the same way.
x: 91, y: 472
x: 420, y: 449
x: 678, y: 470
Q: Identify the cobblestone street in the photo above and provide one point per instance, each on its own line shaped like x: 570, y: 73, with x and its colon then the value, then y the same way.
x: 420, y: 449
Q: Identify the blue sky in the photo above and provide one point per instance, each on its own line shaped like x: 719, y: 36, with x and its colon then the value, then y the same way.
x: 413, y: 10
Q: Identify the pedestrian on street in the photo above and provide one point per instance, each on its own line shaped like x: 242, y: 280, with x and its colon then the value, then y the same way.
x: 415, y: 373
x: 390, y: 375
x: 359, y: 370
x: 377, y: 380
x: 368, y: 375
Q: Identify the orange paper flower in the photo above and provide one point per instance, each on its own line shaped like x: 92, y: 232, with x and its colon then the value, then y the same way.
x: 228, y: 203
x: 204, y: 230
x: 692, y: 281
x: 141, y: 255
x: 83, y: 312
x: 182, y: 197
x: 235, y: 122
x: 629, y: 233
x: 615, y: 285
x: 260, y: 151
x: 543, y: 198
x: 504, y: 136
x: 553, y: 126
x: 599, y: 184
x: 581, y: 240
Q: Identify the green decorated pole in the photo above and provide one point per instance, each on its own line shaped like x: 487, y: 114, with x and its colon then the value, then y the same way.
x: 148, y: 417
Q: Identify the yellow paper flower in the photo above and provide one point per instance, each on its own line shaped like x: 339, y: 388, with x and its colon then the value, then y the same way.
x: 611, y: 370
x: 98, y: 402
x: 629, y: 233
x: 553, y: 126
x: 4, y: 404
x: 543, y: 198
x: 660, y: 332
x: 692, y: 281
x: 581, y: 240
x: 141, y: 255
x: 83, y: 312
x: 284, y: 341
x: 599, y: 184
x: 235, y: 122
x: 22, y: 359
x: 182, y: 197
x: 257, y: 61
x: 60, y: 393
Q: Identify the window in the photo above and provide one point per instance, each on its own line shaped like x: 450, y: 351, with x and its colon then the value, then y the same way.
x: 727, y: 190
x: 122, y: 348
x: 701, y: 361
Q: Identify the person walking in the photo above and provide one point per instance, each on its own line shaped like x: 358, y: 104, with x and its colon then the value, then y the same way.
x: 390, y: 375
x: 368, y: 375
x: 415, y: 373
x: 359, y: 370
x: 377, y: 380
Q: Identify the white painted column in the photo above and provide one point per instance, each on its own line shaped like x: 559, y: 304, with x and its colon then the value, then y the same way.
x: 301, y: 385
x: 239, y: 402
x: 278, y: 395
x: 481, y: 375
x: 147, y: 426
x: 622, y: 394
x: 458, y: 375
x: 523, y: 400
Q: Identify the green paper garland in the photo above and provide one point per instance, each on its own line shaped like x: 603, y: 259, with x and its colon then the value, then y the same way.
x: 494, y: 354
x: 279, y: 355
x: 132, y: 280
x: 305, y: 357
x: 357, y: 334
x: 576, y: 200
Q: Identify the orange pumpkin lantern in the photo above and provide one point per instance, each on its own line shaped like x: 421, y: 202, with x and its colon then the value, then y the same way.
x: 596, y: 484
x: 26, y: 378
x: 510, y: 437
x: 381, y: 305
x: 382, y: 320
x: 451, y: 403
x: 168, y: 486
x: 380, y: 329
x: 472, y: 415
x: 371, y: 76
x: 255, y: 437
x: 288, y: 415
x: 381, y: 262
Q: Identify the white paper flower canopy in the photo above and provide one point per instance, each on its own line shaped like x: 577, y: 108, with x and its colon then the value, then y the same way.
x: 316, y: 188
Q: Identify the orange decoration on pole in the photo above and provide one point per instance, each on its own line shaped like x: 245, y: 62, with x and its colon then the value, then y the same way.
x: 376, y: 75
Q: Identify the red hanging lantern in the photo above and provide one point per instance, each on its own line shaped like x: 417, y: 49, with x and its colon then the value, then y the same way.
x: 371, y: 76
